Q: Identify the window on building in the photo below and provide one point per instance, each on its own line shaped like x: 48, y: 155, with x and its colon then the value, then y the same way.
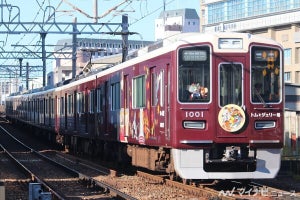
x: 287, y: 56
x: 235, y: 9
x: 257, y: 7
x: 297, y: 78
x: 287, y: 76
x: 297, y: 56
x: 139, y: 92
x: 279, y: 5
x: 215, y: 12
x: 295, y: 4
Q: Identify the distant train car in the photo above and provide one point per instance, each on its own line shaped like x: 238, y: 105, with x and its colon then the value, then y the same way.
x: 197, y: 106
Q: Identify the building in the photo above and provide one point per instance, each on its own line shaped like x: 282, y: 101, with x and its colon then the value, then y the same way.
x: 277, y: 19
x: 176, y: 21
x: 88, y: 50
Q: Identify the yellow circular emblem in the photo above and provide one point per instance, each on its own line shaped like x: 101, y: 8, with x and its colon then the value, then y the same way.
x: 231, y: 118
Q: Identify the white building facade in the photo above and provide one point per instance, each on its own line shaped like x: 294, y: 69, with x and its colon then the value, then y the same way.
x: 88, y: 49
x: 176, y: 21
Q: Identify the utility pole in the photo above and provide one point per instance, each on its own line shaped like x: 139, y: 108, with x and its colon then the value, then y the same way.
x: 125, y: 33
x: 20, y: 61
x: 27, y: 75
x: 96, y: 11
x: 74, y: 47
x: 43, y: 36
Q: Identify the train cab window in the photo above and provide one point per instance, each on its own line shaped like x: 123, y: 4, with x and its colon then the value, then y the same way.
x: 139, y: 92
x: 194, y: 74
x: 265, y: 75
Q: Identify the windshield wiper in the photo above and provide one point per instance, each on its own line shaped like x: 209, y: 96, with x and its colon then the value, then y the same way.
x: 260, y: 98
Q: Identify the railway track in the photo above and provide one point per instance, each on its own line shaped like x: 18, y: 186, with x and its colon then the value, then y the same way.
x: 136, y: 185
x: 142, y: 185
x: 61, y: 181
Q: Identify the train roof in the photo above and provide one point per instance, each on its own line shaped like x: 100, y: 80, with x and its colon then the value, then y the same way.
x: 158, y: 48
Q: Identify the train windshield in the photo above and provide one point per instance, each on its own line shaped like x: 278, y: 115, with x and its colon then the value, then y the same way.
x: 230, y: 80
x: 265, y: 75
x: 194, y: 74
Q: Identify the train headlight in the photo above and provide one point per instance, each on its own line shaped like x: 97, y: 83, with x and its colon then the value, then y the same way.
x: 264, y: 124
x: 230, y: 43
x: 194, y: 124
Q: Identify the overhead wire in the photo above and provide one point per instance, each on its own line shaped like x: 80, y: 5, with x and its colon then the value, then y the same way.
x: 24, y: 35
x: 143, y: 7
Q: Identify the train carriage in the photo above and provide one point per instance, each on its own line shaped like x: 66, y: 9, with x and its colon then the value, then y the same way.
x: 197, y: 106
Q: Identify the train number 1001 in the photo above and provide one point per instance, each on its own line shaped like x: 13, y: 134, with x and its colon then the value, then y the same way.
x: 194, y: 114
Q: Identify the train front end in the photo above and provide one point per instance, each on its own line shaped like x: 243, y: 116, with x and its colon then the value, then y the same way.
x: 229, y: 107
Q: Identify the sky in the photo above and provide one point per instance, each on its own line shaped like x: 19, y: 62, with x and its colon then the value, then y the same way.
x: 141, y: 18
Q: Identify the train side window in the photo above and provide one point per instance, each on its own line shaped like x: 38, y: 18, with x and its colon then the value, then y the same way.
x: 154, y: 96
x: 92, y: 101
x: 51, y: 106
x: 39, y: 106
x: 80, y: 103
x: 157, y: 88
x: 57, y: 105
x: 70, y: 104
x: 115, y: 96
x: 139, y: 92
x: 99, y: 100
x: 42, y: 106
x: 62, y: 106
x: 46, y: 106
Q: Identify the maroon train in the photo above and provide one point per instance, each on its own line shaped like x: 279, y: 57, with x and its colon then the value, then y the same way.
x: 197, y: 106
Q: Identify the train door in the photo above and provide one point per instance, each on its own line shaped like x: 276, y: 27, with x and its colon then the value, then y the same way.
x: 57, y: 113
x: 160, y: 99
x: 124, y: 112
x: 105, y: 108
x: 86, y: 107
x: 75, y: 111
x: 62, y: 113
x: 43, y: 111
x: 231, y: 116
x: 49, y: 111
x: 65, y: 110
